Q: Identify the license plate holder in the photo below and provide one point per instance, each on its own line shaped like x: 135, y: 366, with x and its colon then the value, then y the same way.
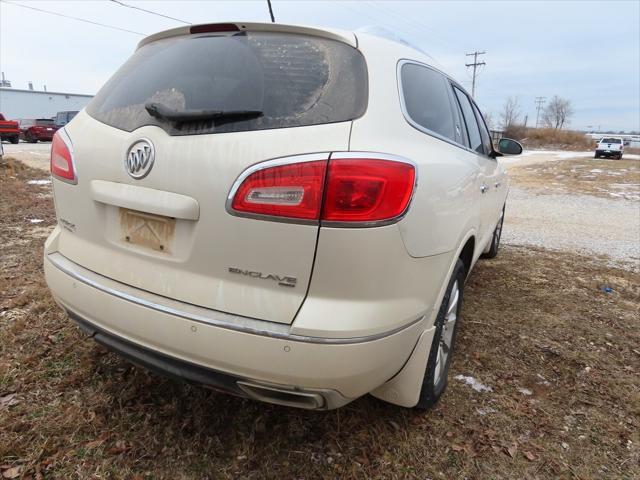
x: 147, y: 230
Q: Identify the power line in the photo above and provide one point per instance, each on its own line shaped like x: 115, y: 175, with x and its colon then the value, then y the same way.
x: 74, y: 18
x: 539, y: 103
x: 122, y: 4
x: 273, y: 19
x: 475, y: 65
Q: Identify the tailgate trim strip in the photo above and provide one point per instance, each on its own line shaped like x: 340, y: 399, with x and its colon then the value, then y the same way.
x: 200, y: 314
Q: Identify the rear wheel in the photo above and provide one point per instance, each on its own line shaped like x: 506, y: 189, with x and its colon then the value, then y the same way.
x: 14, y: 139
x: 492, y: 249
x: 596, y: 156
x: 437, y: 371
x: 30, y: 138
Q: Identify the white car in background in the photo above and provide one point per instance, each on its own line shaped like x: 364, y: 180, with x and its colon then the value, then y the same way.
x: 610, y: 147
x: 279, y: 212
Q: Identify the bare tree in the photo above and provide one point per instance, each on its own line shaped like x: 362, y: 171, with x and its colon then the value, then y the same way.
x: 557, y: 113
x: 488, y: 117
x: 511, y: 113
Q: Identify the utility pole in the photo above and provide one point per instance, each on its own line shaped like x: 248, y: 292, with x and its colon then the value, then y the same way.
x: 273, y: 19
x: 539, y: 103
x: 475, y: 65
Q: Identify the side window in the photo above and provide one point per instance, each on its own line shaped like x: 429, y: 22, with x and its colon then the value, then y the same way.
x: 484, y: 131
x: 475, y: 140
x: 426, y: 99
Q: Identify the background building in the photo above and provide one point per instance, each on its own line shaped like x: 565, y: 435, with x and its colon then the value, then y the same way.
x: 16, y: 103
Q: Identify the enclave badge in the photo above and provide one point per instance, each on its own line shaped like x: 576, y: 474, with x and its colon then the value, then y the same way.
x: 140, y: 158
x: 282, y: 280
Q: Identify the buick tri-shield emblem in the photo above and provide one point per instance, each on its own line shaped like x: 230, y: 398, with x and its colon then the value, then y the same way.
x: 140, y: 159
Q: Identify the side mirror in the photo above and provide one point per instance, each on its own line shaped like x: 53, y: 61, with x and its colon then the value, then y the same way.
x: 507, y: 146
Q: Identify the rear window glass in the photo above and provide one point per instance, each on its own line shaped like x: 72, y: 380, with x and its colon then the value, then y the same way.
x: 611, y: 140
x: 294, y: 80
x: 44, y: 122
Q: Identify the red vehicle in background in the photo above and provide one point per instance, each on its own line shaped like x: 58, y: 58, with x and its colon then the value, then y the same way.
x: 9, y: 130
x: 37, y: 129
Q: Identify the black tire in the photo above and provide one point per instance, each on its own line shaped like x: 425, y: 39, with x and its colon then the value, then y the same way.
x: 492, y: 252
x: 434, y: 386
x: 30, y: 138
x: 14, y: 139
x: 596, y: 156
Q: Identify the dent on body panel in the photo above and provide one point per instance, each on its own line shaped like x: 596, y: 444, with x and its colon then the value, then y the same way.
x: 444, y: 204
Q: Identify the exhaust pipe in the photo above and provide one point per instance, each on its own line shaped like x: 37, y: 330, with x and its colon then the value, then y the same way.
x: 282, y: 396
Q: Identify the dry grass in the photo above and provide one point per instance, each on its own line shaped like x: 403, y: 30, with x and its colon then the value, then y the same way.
x: 532, y: 320
x: 550, y: 138
x: 600, y: 177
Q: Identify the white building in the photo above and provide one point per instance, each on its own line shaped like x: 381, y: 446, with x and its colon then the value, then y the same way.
x: 16, y: 103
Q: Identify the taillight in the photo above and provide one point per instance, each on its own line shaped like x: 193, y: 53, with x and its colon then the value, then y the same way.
x: 367, y: 189
x: 61, y: 158
x: 292, y: 190
x: 349, y: 189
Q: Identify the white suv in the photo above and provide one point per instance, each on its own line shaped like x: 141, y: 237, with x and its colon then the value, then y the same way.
x: 283, y: 213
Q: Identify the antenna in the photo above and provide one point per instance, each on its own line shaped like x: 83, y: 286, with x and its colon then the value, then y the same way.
x: 273, y: 19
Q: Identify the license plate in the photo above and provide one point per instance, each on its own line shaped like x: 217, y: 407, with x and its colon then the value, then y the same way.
x: 147, y: 230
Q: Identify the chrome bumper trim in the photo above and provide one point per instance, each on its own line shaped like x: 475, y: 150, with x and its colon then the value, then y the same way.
x: 200, y: 314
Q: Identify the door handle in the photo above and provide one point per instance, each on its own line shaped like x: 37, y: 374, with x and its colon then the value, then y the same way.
x: 483, y: 189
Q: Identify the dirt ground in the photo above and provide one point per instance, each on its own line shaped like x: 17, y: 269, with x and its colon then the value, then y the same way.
x: 553, y: 336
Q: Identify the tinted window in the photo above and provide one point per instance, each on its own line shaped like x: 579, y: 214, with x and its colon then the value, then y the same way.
x: 484, y: 131
x: 294, y: 80
x: 426, y: 99
x: 44, y: 122
x: 611, y: 140
x: 470, y: 120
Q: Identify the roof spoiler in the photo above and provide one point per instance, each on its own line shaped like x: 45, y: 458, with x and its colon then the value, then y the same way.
x: 231, y: 27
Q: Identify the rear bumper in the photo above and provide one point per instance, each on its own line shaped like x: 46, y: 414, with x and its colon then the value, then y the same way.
x: 259, y: 360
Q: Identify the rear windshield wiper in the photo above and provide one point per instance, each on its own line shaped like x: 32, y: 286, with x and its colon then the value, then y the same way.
x: 162, y: 111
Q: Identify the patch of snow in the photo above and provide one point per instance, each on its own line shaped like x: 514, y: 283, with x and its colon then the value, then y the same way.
x: 595, y: 170
x: 39, y: 182
x: 525, y: 391
x: 485, y: 411
x: 35, y: 220
x: 473, y: 383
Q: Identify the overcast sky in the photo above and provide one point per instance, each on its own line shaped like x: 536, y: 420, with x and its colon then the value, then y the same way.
x: 586, y: 51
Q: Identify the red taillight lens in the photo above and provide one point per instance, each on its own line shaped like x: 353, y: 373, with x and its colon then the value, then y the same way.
x: 367, y: 190
x: 293, y: 190
x: 61, y: 161
x: 355, y: 191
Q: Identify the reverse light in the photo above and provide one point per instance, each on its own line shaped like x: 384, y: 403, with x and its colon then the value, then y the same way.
x: 292, y: 190
x: 61, y: 159
x: 347, y: 190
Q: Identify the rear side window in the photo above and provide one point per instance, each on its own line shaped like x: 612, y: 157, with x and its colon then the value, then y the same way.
x: 426, y: 100
x: 294, y: 80
x: 475, y: 140
x: 484, y: 131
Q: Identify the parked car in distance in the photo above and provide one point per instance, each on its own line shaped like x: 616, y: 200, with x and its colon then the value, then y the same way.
x: 610, y: 147
x: 296, y: 227
x: 62, y: 118
x: 37, y: 129
x: 9, y: 130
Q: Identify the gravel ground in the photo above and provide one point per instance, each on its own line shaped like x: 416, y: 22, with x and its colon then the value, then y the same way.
x: 572, y: 222
x: 579, y: 223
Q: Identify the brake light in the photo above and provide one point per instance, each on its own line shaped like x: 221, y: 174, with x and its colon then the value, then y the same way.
x: 291, y: 190
x: 367, y: 189
x: 61, y: 159
x: 214, y: 27
x: 348, y: 189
